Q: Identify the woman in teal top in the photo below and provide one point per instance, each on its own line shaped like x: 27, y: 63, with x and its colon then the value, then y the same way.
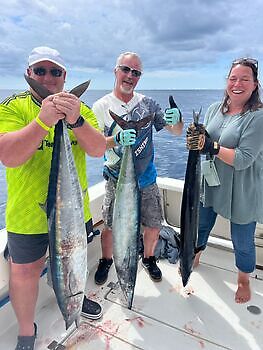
x: 234, y: 139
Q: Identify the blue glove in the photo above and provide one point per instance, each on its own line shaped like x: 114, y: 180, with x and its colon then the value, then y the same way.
x: 172, y: 116
x: 125, y: 137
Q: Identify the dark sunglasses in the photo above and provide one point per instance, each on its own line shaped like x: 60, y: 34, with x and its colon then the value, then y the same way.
x: 252, y: 61
x: 41, y: 71
x: 134, y: 72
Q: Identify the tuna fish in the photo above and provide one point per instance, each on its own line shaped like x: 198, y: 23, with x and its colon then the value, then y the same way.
x: 66, y: 226
x: 126, y: 216
x: 190, y: 210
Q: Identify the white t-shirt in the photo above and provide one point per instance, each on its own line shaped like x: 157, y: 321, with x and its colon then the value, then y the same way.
x: 136, y: 109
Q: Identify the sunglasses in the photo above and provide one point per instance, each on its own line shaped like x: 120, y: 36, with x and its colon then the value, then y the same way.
x: 252, y: 61
x: 41, y: 71
x: 134, y: 72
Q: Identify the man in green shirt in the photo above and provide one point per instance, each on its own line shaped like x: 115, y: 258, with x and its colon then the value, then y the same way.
x: 26, y: 142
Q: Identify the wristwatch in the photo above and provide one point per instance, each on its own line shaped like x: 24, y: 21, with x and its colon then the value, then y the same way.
x: 80, y: 121
x: 216, y: 147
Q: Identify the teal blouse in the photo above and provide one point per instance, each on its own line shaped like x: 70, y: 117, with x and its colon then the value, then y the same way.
x: 239, y: 197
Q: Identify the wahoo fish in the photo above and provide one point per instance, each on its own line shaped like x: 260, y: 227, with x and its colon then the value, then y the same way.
x: 66, y: 225
x: 66, y: 229
x: 126, y: 216
x: 190, y: 210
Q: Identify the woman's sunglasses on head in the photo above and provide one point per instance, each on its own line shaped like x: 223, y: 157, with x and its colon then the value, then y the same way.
x: 134, y: 72
x: 252, y: 61
x: 41, y: 71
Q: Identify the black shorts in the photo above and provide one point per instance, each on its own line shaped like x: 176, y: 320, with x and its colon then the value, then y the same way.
x: 27, y: 248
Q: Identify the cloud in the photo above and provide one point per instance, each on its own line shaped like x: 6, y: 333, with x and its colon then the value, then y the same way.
x: 169, y: 35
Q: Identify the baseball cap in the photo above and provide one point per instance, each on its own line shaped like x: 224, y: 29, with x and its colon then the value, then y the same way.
x: 44, y: 53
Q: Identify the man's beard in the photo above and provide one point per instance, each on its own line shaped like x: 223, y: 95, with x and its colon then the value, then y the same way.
x: 125, y: 90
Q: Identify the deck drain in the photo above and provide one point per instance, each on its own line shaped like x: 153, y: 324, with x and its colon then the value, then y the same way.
x: 254, y: 309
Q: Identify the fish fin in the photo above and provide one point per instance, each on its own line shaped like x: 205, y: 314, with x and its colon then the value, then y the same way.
x: 172, y: 102
x: 80, y: 89
x: 121, y: 122
x: 131, y: 124
x: 41, y: 90
x: 174, y: 105
x: 196, y: 115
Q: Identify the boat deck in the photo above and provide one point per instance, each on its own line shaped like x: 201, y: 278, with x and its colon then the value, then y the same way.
x: 164, y: 315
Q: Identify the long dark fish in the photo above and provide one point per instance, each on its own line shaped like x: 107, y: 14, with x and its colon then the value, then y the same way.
x: 66, y: 226
x: 190, y: 211
x: 126, y: 216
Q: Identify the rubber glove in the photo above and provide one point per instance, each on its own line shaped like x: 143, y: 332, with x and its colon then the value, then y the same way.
x: 198, y: 139
x: 172, y: 116
x: 125, y: 137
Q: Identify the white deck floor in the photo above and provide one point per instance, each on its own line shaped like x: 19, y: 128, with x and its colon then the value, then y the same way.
x: 164, y: 315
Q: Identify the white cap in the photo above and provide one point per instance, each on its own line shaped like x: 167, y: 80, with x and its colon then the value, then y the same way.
x: 44, y: 53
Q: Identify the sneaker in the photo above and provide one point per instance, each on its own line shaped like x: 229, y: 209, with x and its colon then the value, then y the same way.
x: 26, y: 342
x: 91, y: 309
x: 150, y: 265
x: 102, y: 272
x: 91, y: 235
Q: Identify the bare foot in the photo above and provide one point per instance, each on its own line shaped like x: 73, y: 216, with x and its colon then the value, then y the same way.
x: 243, y: 293
x: 195, y: 263
x: 197, y: 259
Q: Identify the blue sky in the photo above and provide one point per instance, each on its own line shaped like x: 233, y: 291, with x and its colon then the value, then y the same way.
x: 183, y: 44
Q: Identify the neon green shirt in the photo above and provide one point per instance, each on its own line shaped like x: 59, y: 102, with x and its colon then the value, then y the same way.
x: 27, y: 185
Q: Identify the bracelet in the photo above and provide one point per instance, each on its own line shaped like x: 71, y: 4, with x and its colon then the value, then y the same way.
x: 42, y: 124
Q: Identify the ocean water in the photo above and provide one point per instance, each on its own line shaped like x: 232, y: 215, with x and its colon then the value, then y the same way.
x: 170, y: 151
